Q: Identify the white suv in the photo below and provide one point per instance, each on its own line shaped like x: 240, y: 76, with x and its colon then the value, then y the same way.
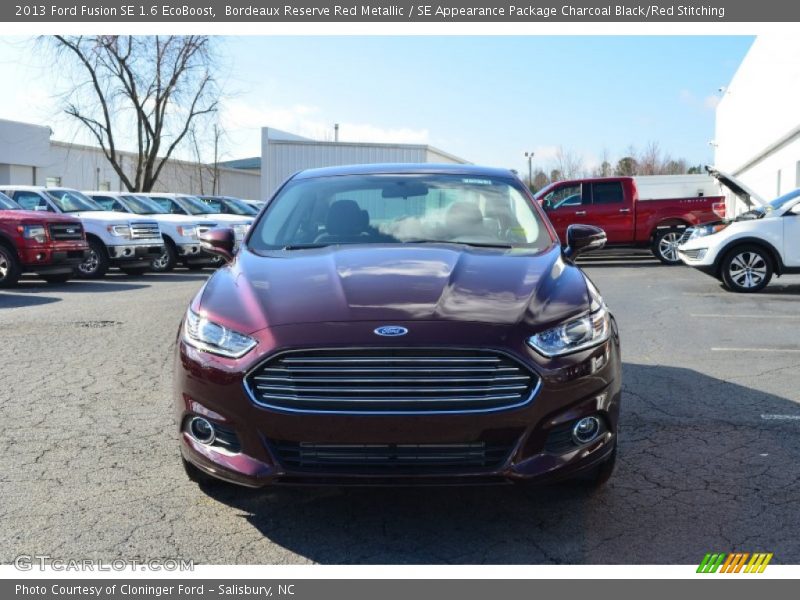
x: 114, y: 239
x: 745, y: 252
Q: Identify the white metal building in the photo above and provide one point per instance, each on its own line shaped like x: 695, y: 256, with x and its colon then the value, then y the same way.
x: 283, y: 154
x: 758, y: 118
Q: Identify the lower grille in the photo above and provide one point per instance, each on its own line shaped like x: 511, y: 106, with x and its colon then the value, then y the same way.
x: 691, y: 253
x: 61, y: 232
x: 405, y: 381
x: 145, y: 231
x: 383, y: 458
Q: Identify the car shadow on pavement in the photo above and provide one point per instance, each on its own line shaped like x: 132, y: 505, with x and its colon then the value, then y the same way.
x: 10, y: 300
x: 33, y: 286
x: 704, y: 465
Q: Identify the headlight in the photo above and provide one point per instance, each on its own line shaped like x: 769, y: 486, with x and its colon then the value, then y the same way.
x: 240, y: 230
x: 707, y: 230
x: 123, y: 231
x: 577, y: 334
x: 34, y: 232
x: 216, y: 339
x: 189, y: 231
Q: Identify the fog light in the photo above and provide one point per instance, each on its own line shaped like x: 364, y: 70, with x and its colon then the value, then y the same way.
x: 586, y: 430
x: 701, y: 254
x: 202, y: 430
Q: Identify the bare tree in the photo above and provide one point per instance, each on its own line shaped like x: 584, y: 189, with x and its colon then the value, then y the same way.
x: 151, y: 89
x: 568, y: 163
x: 207, y: 169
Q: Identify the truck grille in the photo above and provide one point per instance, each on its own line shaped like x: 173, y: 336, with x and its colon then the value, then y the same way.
x: 407, y: 381
x: 389, y: 458
x: 65, y: 232
x: 205, y: 227
x: 145, y: 231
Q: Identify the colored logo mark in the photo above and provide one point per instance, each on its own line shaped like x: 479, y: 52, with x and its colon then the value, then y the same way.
x: 737, y: 562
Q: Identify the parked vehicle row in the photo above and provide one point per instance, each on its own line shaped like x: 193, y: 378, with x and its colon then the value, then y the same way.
x: 133, y: 232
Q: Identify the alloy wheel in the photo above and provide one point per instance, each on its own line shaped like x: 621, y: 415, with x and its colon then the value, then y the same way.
x: 161, y: 262
x: 668, y: 245
x: 4, y: 267
x: 90, y: 265
x: 748, y: 269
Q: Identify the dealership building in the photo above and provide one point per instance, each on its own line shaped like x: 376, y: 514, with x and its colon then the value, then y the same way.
x: 757, y: 135
x: 28, y: 156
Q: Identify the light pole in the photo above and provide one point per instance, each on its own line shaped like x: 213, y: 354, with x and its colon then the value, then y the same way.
x: 529, y: 156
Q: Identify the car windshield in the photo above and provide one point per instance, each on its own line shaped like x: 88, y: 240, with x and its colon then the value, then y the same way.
x: 194, y: 206
x: 142, y: 206
x: 238, y: 207
x: 778, y: 203
x: 401, y: 208
x: 7, y: 203
x: 72, y: 201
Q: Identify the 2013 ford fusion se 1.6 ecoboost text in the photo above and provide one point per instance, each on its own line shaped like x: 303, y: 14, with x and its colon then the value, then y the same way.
x: 399, y: 324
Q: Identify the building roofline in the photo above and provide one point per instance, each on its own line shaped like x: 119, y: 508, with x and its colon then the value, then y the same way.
x: 396, y: 146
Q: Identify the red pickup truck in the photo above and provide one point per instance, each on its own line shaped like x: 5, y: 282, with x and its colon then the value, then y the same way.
x: 49, y: 244
x: 635, y: 211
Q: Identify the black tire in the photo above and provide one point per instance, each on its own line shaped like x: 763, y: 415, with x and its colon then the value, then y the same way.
x: 746, y: 269
x: 665, y: 246
x: 167, y: 261
x: 135, y: 271
x: 10, y: 267
x: 96, y: 264
x: 58, y: 277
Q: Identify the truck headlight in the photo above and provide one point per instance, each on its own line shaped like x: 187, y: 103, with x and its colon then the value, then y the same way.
x: 120, y: 230
x: 707, y: 230
x: 189, y: 231
x: 214, y: 338
x: 574, y: 335
x: 34, y: 232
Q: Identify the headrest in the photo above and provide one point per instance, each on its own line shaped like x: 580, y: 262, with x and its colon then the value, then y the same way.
x: 344, y: 218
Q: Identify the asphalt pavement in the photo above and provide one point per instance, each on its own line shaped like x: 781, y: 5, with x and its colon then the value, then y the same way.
x: 709, y: 458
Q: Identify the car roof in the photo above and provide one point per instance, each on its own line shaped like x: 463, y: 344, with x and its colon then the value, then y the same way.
x: 404, y: 168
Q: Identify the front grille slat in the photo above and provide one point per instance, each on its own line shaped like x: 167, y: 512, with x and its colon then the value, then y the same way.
x: 380, y: 380
x: 389, y: 458
x: 143, y: 231
x: 60, y: 232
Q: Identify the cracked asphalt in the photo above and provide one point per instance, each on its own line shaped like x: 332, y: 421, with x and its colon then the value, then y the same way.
x: 709, y: 454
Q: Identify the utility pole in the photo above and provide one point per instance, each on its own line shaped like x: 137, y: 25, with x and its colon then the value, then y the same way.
x: 529, y: 156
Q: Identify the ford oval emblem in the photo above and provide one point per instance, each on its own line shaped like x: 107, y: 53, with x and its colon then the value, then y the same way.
x: 391, y: 330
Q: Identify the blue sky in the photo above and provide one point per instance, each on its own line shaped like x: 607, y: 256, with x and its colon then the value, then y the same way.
x: 486, y: 99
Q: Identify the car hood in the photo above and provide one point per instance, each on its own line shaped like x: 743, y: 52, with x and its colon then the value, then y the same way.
x: 171, y: 218
x: 37, y: 216
x: 108, y: 216
x: 738, y: 188
x: 392, y: 284
x: 228, y: 219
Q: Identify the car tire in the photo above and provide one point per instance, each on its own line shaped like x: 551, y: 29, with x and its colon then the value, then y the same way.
x: 665, y: 246
x: 10, y: 267
x: 746, y: 269
x: 135, y: 271
x: 58, y: 277
x: 167, y: 261
x: 96, y: 264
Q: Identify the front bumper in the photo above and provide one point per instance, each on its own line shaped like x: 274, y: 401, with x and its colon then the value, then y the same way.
x: 136, y: 253
x: 584, y: 384
x: 53, y: 259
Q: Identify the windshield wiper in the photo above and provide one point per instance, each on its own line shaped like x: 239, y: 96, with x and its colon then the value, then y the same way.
x: 305, y: 246
x: 475, y: 244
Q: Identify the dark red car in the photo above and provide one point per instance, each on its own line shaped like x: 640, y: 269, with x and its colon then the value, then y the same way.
x: 394, y: 324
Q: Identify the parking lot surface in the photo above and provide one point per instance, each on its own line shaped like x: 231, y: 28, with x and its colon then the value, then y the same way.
x: 709, y: 454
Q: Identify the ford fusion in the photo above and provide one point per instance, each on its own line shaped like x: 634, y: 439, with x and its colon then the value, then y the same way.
x: 393, y: 325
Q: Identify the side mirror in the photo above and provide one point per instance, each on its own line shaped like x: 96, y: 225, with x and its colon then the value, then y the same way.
x: 219, y: 241
x: 583, y: 238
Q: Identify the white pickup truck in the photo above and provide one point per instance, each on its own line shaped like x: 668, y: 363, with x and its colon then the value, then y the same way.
x: 114, y: 239
x: 186, y: 204
x: 180, y: 232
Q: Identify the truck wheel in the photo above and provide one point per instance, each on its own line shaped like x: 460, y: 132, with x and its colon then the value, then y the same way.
x: 746, y: 269
x: 167, y: 261
x: 665, y: 246
x: 96, y: 264
x: 10, y: 268
x: 58, y: 277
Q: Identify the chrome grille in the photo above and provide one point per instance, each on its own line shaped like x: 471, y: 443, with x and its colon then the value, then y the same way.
x: 64, y: 232
x: 383, y: 458
x: 145, y: 231
x: 392, y: 381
